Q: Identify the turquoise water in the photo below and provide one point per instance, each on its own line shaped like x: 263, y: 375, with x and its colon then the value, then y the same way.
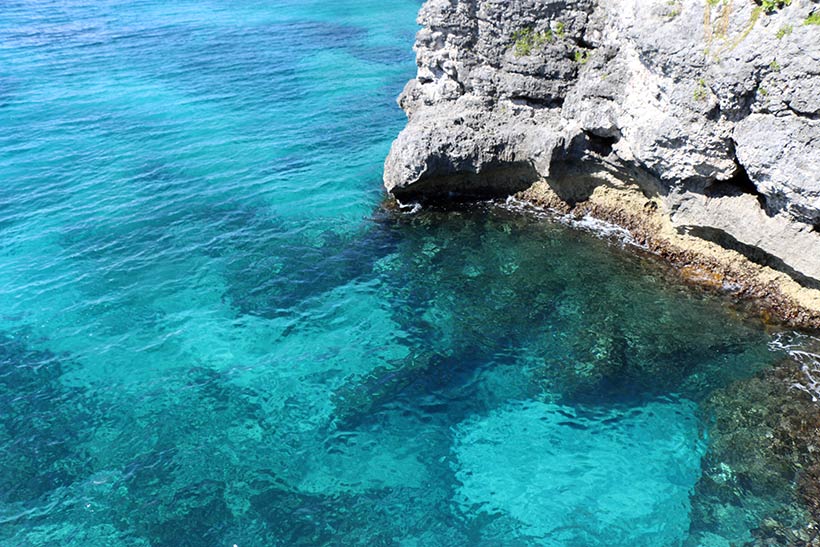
x: 211, y: 334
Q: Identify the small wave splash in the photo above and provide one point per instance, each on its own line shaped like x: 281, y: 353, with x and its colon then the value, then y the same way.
x: 587, y: 222
x: 804, y: 349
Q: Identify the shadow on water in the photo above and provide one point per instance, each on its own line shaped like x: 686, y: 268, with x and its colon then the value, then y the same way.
x: 278, y: 271
x: 39, y: 420
x: 271, y: 266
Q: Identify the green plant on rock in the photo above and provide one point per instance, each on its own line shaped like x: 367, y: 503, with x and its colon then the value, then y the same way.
x: 785, y: 30
x: 749, y: 26
x: 674, y: 9
x: 813, y: 19
x: 560, y: 29
x: 700, y: 91
x: 526, y: 40
x: 775, y: 66
x: 772, y: 5
x: 581, y: 56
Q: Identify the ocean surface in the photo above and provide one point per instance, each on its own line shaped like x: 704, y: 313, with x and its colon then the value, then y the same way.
x: 212, y: 334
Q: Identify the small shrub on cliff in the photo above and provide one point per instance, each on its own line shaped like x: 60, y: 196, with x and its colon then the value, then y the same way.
x: 700, y: 91
x: 772, y: 5
x: 785, y: 30
x: 527, y: 39
x: 581, y: 56
x: 674, y: 9
x: 813, y: 19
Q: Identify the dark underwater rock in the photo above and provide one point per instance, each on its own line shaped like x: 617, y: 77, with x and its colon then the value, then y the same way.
x: 764, y: 442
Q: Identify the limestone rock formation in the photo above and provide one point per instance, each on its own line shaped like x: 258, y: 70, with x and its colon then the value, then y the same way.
x: 711, y: 106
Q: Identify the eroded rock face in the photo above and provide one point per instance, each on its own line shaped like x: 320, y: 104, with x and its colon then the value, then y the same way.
x: 719, y: 105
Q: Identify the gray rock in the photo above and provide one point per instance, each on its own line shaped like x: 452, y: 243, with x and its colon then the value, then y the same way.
x: 782, y: 156
x: 695, y: 95
x: 776, y: 240
x: 471, y: 149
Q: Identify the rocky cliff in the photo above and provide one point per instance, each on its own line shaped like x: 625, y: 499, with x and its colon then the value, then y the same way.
x: 708, y: 111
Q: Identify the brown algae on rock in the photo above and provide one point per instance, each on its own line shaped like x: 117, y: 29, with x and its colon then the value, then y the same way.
x: 698, y: 261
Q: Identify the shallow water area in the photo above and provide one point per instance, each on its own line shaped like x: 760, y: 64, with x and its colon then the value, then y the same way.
x: 212, y: 334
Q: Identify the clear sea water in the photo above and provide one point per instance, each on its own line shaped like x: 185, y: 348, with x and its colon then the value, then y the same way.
x: 212, y: 335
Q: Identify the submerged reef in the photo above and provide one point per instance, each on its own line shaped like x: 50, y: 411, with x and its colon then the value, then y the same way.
x: 693, y: 123
x: 763, y: 439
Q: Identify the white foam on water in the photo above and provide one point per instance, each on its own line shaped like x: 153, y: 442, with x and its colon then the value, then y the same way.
x: 409, y: 208
x: 601, y: 227
x: 804, y: 349
x: 587, y: 223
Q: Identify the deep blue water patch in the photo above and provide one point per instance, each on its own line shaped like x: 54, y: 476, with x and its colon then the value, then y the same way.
x: 212, y: 334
